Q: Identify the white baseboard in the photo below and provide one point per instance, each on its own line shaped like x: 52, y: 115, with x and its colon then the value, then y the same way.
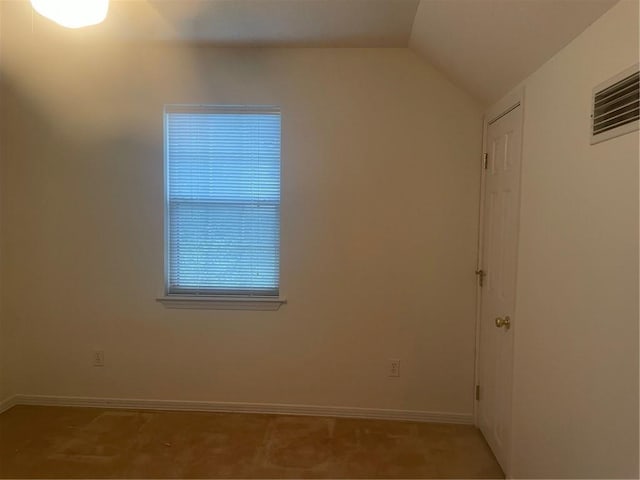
x: 7, y: 403
x: 236, y: 407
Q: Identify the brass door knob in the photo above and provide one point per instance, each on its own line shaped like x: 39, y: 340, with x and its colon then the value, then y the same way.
x: 503, y: 322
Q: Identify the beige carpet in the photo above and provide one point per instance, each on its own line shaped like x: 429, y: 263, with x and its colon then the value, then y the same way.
x: 56, y: 442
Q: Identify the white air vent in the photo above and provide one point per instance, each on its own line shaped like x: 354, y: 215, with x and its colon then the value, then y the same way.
x: 616, y: 106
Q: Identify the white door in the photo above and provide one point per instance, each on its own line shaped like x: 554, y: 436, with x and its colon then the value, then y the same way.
x: 498, y: 263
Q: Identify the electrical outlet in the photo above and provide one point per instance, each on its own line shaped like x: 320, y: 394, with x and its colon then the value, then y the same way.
x: 394, y: 367
x: 98, y: 358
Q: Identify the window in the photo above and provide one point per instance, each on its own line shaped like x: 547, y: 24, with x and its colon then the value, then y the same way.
x: 222, y: 202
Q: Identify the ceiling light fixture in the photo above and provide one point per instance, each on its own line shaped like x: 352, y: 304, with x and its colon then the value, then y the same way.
x: 72, y: 13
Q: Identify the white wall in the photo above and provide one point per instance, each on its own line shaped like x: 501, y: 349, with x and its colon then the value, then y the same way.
x: 379, y: 220
x: 576, y: 329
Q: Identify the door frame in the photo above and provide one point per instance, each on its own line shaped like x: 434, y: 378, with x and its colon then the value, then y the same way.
x: 514, y: 99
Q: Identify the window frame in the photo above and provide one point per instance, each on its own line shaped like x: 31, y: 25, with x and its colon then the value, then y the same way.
x: 206, y: 300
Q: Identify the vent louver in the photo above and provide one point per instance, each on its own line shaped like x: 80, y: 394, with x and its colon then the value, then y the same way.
x: 616, y: 106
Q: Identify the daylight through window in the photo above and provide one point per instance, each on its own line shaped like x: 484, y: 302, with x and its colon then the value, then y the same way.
x: 222, y: 200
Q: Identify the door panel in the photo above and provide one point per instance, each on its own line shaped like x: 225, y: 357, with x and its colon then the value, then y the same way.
x: 498, y: 261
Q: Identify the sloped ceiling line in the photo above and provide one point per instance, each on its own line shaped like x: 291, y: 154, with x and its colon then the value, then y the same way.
x: 484, y: 46
x: 487, y: 47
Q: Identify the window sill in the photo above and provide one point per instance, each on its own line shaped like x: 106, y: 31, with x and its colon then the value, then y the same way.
x: 221, y: 303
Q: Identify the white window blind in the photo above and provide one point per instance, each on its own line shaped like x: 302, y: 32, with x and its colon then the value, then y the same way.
x: 223, y: 200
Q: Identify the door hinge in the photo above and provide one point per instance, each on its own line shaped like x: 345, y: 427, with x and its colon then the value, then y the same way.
x: 477, y: 392
x: 485, y: 160
x: 481, y: 274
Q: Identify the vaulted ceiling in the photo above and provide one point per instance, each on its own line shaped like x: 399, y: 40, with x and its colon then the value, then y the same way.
x: 484, y: 46
x: 489, y: 46
x: 271, y: 23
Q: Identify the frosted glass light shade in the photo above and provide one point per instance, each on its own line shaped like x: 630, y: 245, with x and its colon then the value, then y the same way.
x: 72, y: 13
